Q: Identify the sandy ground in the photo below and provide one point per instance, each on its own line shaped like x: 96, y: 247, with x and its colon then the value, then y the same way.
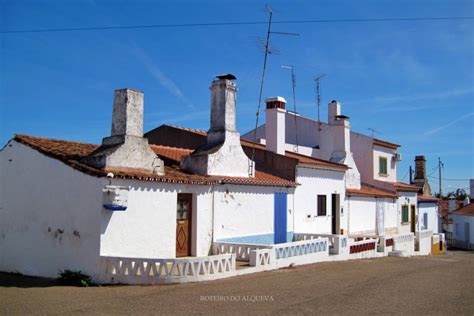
x: 420, y: 285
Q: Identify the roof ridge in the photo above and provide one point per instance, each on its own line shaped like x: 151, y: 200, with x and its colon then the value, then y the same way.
x: 25, y: 136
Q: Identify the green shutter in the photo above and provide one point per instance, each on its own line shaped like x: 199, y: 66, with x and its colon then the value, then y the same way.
x: 405, y: 214
x: 382, y: 165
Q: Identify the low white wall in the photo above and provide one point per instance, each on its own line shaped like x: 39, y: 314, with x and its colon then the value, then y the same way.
x: 313, y: 182
x: 423, y: 241
x: 49, y: 215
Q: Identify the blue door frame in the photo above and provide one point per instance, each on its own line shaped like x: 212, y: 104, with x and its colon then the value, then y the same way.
x: 280, y: 218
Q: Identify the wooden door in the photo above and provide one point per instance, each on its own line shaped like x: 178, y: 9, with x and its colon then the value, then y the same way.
x: 414, y: 218
x: 183, y: 224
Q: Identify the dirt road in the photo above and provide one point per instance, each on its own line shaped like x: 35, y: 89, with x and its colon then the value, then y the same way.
x: 421, y: 285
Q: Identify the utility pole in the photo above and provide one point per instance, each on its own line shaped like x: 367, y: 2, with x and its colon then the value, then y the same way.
x: 440, y: 164
x: 411, y: 175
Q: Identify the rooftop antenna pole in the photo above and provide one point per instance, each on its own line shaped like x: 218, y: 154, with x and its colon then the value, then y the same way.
x: 267, y: 43
x: 293, y: 81
x: 318, y: 95
x: 373, y: 131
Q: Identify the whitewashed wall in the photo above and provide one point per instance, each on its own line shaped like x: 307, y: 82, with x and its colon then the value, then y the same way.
x: 49, y: 215
x: 406, y: 198
x: 313, y: 182
x: 361, y: 146
x: 148, y: 227
x: 247, y: 211
x: 388, y: 153
x: 361, y: 215
x: 459, y: 222
x: 432, y: 210
x: 391, y: 216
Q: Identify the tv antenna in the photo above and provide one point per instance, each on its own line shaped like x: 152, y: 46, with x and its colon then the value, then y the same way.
x: 318, y: 100
x: 267, y: 46
x: 318, y: 95
x: 373, y: 131
x: 293, y: 81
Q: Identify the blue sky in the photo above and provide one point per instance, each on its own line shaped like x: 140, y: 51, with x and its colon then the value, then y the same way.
x: 412, y: 81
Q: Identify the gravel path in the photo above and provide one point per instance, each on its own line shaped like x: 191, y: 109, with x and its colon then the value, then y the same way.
x: 420, y: 285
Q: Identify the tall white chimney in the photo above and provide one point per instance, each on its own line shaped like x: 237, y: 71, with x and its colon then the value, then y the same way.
x: 341, y: 133
x: 275, y: 129
x: 126, y: 147
x: 222, y: 154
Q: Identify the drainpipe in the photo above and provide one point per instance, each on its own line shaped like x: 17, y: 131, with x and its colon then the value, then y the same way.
x: 212, y: 215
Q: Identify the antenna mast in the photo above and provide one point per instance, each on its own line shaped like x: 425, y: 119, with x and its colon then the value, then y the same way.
x: 267, y: 43
x: 318, y: 95
x: 293, y: 81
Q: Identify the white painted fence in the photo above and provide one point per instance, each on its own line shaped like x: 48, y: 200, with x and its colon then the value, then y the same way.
x: 261, y: 258
x: 178, y: 270
x: 385, y: 244
x: 300, y: 248
x: 338, y: 244
x: 240, y: 250
x: 423, y: 242
x: 405, y: 243
x: 269, y: 257
x: 366, y: 248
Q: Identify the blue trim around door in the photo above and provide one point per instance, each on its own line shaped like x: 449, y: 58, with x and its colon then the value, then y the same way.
x: 280, y: 218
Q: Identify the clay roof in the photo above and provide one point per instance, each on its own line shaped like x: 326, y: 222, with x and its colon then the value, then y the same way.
x: 315, y: 161
x: 386, y: 144
x: 467, y: 210
x: 371, y: 192
x: 70, y: 153
x: 444, y: 207
x: 405, y: 187
x: 303, y: 159
x: 427, y: 198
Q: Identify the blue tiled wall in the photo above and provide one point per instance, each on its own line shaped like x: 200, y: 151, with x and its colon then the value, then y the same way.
x: 266, y: 239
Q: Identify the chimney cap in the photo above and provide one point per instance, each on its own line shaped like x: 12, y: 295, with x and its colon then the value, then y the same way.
x: 334, y: 101
x: 421, y: 157
x: 226, y: 76
x: 273, y: 99
x: 341, y: 117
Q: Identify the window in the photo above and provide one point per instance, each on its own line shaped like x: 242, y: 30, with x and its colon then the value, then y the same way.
x: 321, y: 205
x: 383, y: 166
x: 405, y: 214
x: 425, y: 220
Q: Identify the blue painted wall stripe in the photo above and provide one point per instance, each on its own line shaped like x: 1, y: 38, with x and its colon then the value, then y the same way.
x: 280, y: 217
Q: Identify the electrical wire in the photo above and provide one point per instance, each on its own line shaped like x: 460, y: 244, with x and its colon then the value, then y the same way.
x: 445, y: 179
x: 187, y: 25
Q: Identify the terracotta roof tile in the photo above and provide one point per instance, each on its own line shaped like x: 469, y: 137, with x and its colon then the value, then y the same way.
x: 366, y: 191
x: 384, y: 143
x: 467, y: 210
x: 301, y: 158
x: 405, y: 187
x: 70, y: 153
x: 427, y: 198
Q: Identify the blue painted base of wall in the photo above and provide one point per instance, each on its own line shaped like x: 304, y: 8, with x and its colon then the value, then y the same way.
x: 266, y: 239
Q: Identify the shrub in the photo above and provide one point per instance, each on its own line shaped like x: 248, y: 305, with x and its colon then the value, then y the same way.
x: 74, y: 278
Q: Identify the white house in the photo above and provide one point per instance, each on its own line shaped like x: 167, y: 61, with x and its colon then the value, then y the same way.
x: 69, y: 205
x: 181, y: 205
x: 463, y: 222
